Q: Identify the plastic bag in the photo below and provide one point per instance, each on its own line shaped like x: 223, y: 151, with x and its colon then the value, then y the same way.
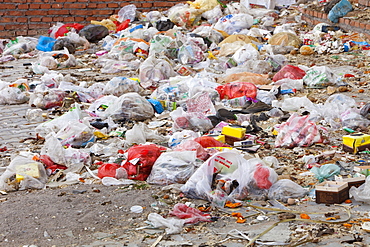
x: 130, y: 106
x: 46, y: 100
x: 262, y: 176
x: 191, y: 145
x: 191, y: 215
x: 299, y: 131
x: 127, y: 12
x: 201, y: 102
x: 140, y: 161
x: 112, y: 170
x: 319, y: 77
x: 362, y: 193
x: 245, y: 53
x: 121, y: 85
x: 284, y: 189
x: 172, y: 167
x: 285, y: 39
x: 75, y: 134
x: 213, y: 15
x: 184, y: 16
x: 191, y: 52
x: 339, y: 10
x: 63, y: 29
x: 153, y: 70
x: 23, y: 173
x: 140, y: 134
x: 325, y: 171
x: 237, y: 89
x: 234, y: 23
x: 289, y: 71
x: 54, y: 150
x: 171, y: 225
x: 180, y: 136
x: 209, y: 141
x: 196, y: 121
x: 94, y: 33
x: 12, y: 95
x: 254, y: 78
x: 45, y: 43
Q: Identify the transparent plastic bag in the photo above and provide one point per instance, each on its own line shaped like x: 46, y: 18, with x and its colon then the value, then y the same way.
x: 121, y: 85
x: 12, y: 95
x: 284, y: 189
x: 285, y: 39
x: 180, y: 136
x: 190, y: 120
x: 75, y: 134
x: 127, y: 12
x: 245, y: 53
x: 30, y: 174
x: 234, y: 23
x: 191, y: 145
x: 130, y: 106
x: 153, y: 70
x: 100, y: 106
x: 319, y: 77
x: 362, y: 193
x: 172, y: 167
x: 140, y: 134
x: 299, y: 131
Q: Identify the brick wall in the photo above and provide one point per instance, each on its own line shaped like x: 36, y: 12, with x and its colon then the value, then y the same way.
x: 34, y: 17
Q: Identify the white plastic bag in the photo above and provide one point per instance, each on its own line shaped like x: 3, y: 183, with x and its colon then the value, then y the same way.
x: 284, y: 189
x: 173, y: 167
x: 12, y: 95
x: 153, y: 70
x: 362, y: 193
x: 172, y: 225
x: 190, y: 120
x: 234, y: 23
x: 121, y: 85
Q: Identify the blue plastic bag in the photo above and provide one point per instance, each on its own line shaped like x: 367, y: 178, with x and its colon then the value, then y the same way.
x: 340, y: 10
x: 325, y: 171
x: 45, y: 43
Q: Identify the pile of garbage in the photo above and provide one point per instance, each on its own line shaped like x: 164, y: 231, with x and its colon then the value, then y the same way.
x: 197, y: 96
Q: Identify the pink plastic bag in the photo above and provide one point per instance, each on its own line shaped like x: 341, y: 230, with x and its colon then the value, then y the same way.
x: 190, y: 145
x: 191, y: 215
x: 289, y: 71
x: 298, y: 131
x: 237, y: 89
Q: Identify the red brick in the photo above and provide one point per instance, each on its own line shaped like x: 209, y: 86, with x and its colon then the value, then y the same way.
x: 368, y: 26
x: 2, y: 27
x: 35, y: 12
x: 7, y: 34
x: 36, y: 19
x: 35, y: 6
x: 92, y: 6
x: 21, y: 32
x: 74, y: 6
x: 58, y: 18
x: 39, y: 25
x: 32, y: 32
x: 101, y: 5
x: 19, y: 1
x: 90, y: 18
x: 362, y: 25
x: 15, y: 13
x: 83, y: 1
x: 7, y: 6
x: 342, y: 20
x: 81, y: 12
x: 347, y: 21
x: 16, y: 26
x: 355, y: 23
x: 45, y: 6
x: 22, y: 19
x: 80, y: 18
x: 57, y: 6
x: 7, y: 20
x: 146, y: 5
x: 69, y: 19
x: 58, y: 12
x: 104, y: 12
x: 112, y: 5
x: 47, y: 19
x: 324, y: 16
x: 162, y: 4
x: 22, y: 6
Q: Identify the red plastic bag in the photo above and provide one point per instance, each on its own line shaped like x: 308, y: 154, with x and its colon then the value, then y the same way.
x: 123, y: 25
x: 191, y: 215
x: 108, y: 170
x: 209, y: 141
x: 66, y: 28
x: 289, y: 71
x: 261, y: 177
x: 140, y: 160
x: 190, y: 145
x: 237, y: 89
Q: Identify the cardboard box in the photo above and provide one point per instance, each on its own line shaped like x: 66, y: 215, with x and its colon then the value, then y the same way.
x: 356, y: 142
x: 352, y: 181
x: 332, y: 192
